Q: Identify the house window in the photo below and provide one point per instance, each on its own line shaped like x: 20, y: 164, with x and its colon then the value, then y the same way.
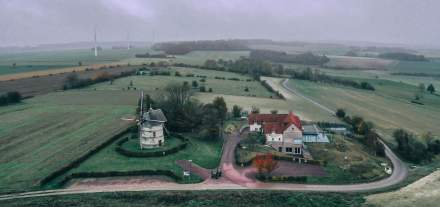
x: 154, y: 134
x: 280, y: 149
x: 297, y: 150
x: 289, y: 149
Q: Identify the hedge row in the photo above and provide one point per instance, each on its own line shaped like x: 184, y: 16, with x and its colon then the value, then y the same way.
x: 270, y: 89
x: 78, y: 161
x: 120, y: 174
x: 275, y: 157
x: 121, y: 150
x: 299, y: 179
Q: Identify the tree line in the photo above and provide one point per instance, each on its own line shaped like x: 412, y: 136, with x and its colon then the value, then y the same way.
x: 186, y: 114
x: 181, y: 48
x: 73, y: 81
x: 307, y: 58
x: 317, y: 76
x: 402, y: 56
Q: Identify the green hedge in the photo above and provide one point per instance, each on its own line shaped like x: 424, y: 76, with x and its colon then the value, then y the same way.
x: 275, y: 157
x: 119, y: 149
x: 78, y: 161
x: 120, y: 174
x: 299, y: 179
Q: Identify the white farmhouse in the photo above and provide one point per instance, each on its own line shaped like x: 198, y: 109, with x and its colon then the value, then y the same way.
x: 151, y: 129
x: 283, y: 132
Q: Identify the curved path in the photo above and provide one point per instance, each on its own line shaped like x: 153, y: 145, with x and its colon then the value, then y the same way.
x: 234, y: 178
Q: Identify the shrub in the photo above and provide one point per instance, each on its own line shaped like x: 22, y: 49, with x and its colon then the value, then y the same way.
x: 410, y: 148
x: 236, y: 111
x: 10, y: 98
x: 340, y: 113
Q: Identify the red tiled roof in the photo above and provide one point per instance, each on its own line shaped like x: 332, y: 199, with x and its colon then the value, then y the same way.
x: 277, y: 123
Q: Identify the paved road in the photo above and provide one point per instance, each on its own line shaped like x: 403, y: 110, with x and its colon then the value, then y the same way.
x: 235, y: 178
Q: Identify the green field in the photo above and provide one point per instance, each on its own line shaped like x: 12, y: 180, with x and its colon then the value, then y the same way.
x: 388, y: 107
x: 152, y: 84
x: 428, y: 67
x: 33, y: 61
x: 46, y: 133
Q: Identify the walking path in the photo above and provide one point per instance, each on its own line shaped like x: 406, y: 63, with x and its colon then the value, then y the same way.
x: 233, y: 177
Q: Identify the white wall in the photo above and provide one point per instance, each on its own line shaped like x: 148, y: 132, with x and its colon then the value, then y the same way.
x: 255, y: 127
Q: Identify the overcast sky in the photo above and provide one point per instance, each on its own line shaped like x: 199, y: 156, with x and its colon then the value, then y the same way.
x: 27, y: 22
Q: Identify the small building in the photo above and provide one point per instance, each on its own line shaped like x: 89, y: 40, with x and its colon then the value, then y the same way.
x: 151, y: 129
x: 283, y: 132
x: 313, y: 134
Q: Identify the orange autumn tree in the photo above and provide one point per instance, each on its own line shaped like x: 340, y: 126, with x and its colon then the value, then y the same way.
x: 264, y: 163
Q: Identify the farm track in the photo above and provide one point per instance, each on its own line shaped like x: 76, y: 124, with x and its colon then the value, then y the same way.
x: 236, y: 179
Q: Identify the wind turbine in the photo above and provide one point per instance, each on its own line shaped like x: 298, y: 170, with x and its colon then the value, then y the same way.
x: 96, y: 45
x: 128, y: 40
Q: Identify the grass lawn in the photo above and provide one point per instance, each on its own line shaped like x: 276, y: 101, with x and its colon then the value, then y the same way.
x: 47, y: 132
x: 346, y: 161
x: 152, y: 84
x: 195, y: 198
x: 203, y: 153
x: 249, y: 151
x: 388, y: 107
x: 133, y: 145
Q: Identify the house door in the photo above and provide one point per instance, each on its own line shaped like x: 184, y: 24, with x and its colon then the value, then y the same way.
x: 160, y: 142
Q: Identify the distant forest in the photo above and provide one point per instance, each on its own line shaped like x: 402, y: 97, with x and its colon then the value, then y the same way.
x: 181, y: 48
x: 403, y: 56
x: 275, y: 56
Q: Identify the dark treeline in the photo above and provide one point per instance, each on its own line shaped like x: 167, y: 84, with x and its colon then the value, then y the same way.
x: 73, y: 81
x: 417, y: 74
x: 317, y: 76
x: 12, y: 97
x: 416, y: 149
x: 186, y: 114
x: 181, y: 48
x: 148, y: 55
x: 275, y: 56
x: 402, y: 56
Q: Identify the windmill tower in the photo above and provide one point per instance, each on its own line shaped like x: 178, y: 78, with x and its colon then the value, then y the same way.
x: 151, y: 126
x: 96, y: 45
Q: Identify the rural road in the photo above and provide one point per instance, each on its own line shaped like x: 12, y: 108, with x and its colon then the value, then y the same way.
x: 234, y: 178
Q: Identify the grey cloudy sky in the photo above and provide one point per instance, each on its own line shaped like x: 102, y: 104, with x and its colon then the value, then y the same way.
x: 415, y: 22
